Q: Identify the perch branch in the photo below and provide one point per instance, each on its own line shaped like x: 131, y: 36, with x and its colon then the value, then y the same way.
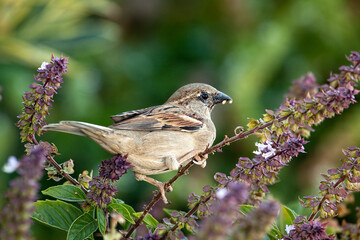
x: 183, y: 170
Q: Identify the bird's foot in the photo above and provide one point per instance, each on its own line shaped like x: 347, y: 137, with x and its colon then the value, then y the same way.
x: 160, y: 185
x: 200, y: 159
x: 162, y: 188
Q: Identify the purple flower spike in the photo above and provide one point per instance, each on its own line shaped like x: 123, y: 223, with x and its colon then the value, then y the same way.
x: 38, y: 99
x: 101, y: 192
x: 314, y: 230
x: 114, y: 167
x: 15, y: 215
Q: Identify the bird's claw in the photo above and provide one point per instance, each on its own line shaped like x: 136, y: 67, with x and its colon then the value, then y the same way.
x: 200, y: 160
x: 162, y: 188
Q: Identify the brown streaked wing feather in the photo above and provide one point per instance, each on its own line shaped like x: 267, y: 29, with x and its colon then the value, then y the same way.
x: 130, y: 114
x: 165, y: 117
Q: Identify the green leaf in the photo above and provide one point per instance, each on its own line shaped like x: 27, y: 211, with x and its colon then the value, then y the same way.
x: 57, y: 214
x: 274, y: 233
x: 244, y: 209
x: 82, y: 227
x: 129, y: 208
x: 168, y: 211
x: 91, y: 237
x: 286, y: 217
x: 125, y: 210
x: 116, y: 200
x: 66, y: 192
x: 149, y: 220
x: 101, y: 219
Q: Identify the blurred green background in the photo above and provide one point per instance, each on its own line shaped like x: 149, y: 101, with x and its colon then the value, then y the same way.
x: 127, y: 55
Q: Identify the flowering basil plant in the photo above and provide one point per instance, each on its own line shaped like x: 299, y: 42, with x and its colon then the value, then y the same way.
x: 238, y: 206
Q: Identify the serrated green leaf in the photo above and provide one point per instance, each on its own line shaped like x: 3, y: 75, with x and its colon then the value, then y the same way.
x: 101, y: 219
x: 125, y: 210
x: 82, y: 227
x: 286, y: 217
x: 66, y: 192
x: 57, y: 214
x: 148, y: 220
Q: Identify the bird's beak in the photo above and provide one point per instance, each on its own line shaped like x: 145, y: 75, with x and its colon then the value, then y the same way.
x: 221, y: 98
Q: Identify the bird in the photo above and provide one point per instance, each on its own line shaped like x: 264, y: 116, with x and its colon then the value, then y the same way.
x: 161, y: 138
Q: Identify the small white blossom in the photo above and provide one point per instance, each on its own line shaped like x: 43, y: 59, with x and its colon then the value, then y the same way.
x: 261, y: 146
x: 265, y: 146
x: 43, y: 66
x: 268, y: 154
x: 288, y: 228
x: 11, y: 165
x: 257, y: 152
x: 221, y: 193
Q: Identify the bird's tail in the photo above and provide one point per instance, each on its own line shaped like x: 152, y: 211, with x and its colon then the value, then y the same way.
x: 71, y: 127
x: 74, y: 127
x: 101, y: 135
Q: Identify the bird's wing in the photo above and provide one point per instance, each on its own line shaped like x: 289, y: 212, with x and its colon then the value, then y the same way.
x: 130, y: 114
x: 164, y: 117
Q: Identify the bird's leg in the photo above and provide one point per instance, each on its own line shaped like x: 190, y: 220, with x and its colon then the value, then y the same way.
x: 172, y: 163
x: 200, y: 159
x: 187, y: 156
x: 156, y: 183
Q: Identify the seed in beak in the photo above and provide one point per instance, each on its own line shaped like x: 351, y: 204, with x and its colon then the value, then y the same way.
x: 223, y: 102
x: 230, y: 101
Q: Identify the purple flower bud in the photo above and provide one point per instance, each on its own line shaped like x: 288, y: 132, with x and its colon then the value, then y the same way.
x: 114, y: 167
x: 101, y: 192
x: 221, y: 178
x: 150, y: 236
x: 309, y: 230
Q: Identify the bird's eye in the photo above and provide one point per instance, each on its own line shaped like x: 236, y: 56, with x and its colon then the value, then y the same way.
x: 204, y: 95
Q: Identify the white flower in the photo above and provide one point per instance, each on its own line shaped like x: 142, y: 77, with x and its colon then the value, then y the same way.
x: 268, y: 154
x: 257, y: 152
x: 221, y: 193
x: 261, y: 146
x: 288, y: 228
x: 43, y: 66
x: 11, y: 165
x: 265, y: 146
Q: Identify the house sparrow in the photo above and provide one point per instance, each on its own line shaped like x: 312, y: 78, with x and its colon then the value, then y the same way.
x: 161, y: 138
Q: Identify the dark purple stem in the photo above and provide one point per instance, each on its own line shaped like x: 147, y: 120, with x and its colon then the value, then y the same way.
x: 314, y: 213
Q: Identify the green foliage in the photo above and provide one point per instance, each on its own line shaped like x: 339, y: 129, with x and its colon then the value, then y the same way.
x: 286, y: 217
x: 101, y: 219
x: 69, y: 193
x: 56, y: 214
x: 125, y: 210
x: 82, y: 227
x: 148, y: 220
x: 81, y: 224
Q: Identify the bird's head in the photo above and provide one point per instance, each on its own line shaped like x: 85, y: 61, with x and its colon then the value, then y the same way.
x: 199, y: 97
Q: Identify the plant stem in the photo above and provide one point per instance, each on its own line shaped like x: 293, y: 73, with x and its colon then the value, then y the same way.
x: 314, y: 213
x: 189, y: 213
x: 73, y: 181
x: 52, y: 161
